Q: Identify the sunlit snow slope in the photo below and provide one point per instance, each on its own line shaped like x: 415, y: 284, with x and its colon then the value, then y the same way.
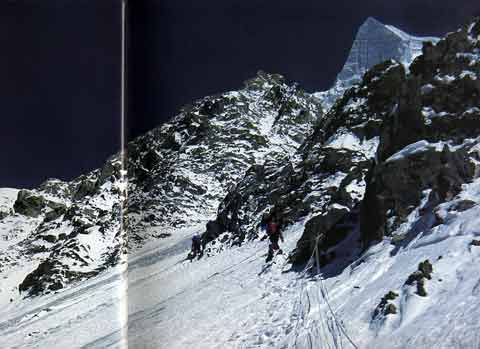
x: 234, y: 300
x: 380, y: 209
x: 89, y: 315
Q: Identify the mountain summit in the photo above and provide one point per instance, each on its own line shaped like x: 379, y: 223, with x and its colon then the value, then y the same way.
x: 375, y: 42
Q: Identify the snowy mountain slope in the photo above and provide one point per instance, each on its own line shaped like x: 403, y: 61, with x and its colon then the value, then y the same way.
x: 181, y: 170
x: 397, y: 250
x: 89, y: 314
x: 52, y: 239
x: 345, y: 158
x: 234, y: 300
x: 204, y: 304
x: 443, y: 318
x: 60, y: 233
x: 374, y: 43
x: 328, y: 176
x: 223, y: 301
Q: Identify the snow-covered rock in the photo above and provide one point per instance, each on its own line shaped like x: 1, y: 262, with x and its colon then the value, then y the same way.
x: 61, y: 232
x: 326, y: 178
x: 180, y: 172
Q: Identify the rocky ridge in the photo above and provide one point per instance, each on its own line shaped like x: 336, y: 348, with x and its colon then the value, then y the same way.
x: 178, y: 173
x: 181, y: 171
x: 400, y: 146
x: 63, y: 232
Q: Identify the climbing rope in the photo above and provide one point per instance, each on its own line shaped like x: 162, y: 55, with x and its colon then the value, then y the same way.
x: 315, y: 260
x: 324, y: 293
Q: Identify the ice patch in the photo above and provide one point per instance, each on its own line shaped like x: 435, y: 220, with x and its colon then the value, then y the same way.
x: 445, y: 79
x: 415, y: 148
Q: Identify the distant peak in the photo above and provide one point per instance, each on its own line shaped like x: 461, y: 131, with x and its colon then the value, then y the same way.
x: 372, y: 21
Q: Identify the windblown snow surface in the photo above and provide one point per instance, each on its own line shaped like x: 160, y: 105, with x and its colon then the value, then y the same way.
x: 235, y: 300
x: 90, y: 314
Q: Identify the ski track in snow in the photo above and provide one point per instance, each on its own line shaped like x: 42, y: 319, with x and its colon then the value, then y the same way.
x: 204, y: 299
x: 88, y: 315
x: 235, y: 300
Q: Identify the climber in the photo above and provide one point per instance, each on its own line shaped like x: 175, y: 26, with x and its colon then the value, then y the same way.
x: 196, y: 246
x: 274, y: 234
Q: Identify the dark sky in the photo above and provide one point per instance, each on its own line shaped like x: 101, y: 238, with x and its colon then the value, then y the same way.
x: 60, y: 64
x: 59, y: 88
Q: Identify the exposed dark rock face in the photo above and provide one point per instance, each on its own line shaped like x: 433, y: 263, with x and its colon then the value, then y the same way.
x: 439, y: 110
x: 29, y: 204
x: 385, y: 307
x: 399, y: 185
x: 326, y: 178
x: 72, y: 229
x: 475, y: 243
x: 424, y: 272
x: 181, y: 171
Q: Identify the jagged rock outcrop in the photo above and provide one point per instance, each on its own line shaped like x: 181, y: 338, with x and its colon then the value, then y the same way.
x: 431, y: 141
x: 68, y: 231
x: 326, y: 178
x: 396, y: 143
x: 29, y: 204
x: 418, y: 277
x: 428, y: 144
x: 385, y: 307
x: 182, y: 170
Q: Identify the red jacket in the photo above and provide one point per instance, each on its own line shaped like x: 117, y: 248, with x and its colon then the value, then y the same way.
x: 274, y: 229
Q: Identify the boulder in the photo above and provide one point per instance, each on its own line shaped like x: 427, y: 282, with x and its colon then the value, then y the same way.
x: 419, y: 276
x: 385, y: 307
x: 86, y: 187
x: 57, y: 210
x: 29, y: 204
